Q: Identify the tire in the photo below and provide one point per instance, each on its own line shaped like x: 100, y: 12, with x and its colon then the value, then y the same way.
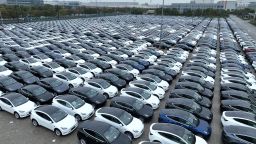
x: 57, y: 132
x: 130, y: 135
x: 82, y: 141
x: 16, y: 115
x: 1, y: 109
x: 34, y: 122
x: 71, y: 86
x: 106, y: 95
x: 78, y: 117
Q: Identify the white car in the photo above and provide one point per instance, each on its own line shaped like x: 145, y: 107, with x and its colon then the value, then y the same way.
x: 54, y: 119
x: 107, y: 60
x: 154, y: 79
x: 102, y: 86
x: 74, y: 106
x: 141, y: 95
x: 53, y: 66
x: 239, y: 75
x: 128, y: 69
x: 231, y: 69
x: 2, y: 62
x: 148, y: 86
x: 42, y: 58
x: 16, y: 104
x: 91, y: 67
x: 122, y: 120
x: 81, y: 72
x: 5, y: 71
x: 173, y: 134
x: 199, y: 74
x: 69, y: 78
x: 238, y: 118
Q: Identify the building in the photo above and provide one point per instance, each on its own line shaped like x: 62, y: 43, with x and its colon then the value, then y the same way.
x: 252, y: 5
x: 244, y: 3
x: 24, y: 2
x: 64, y: 3
x: 202, y: 1
x: 228, y: 5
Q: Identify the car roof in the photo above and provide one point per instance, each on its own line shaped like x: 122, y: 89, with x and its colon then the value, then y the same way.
x: 141, y: 82
x: 97, y: 126
x: 67, y: 97
x: 128, y: 100
x: 240, y: 130
x: 48, y: 109
x: 12, y: 96
x: 170, y: 128
x: 176, y: 112
x: 112, y: 111
x: 241, y: 114
x: 137, y: 90
x: 31, y: 87
x: 97, y: 80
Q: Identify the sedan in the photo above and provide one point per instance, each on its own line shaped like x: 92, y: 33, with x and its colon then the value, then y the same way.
x: 81, y: 72
x: 122, y: 120
x: 41, y: 71
x: 54, y: 85
x: 133, y: 106
x: 24, y: 77
x: 91, y: 67
x: 69, y: 78
x: 53, y: 66
x: 121, y: 74
x: 101, y: 131
x: 16, y: 104
x: 154, y: 79
x: 74, y: 106
x: 53, y: 118
x: 8, y: 84
x: 113, y: 79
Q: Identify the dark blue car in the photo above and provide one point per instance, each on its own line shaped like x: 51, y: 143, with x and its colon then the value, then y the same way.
x: 186, y: 120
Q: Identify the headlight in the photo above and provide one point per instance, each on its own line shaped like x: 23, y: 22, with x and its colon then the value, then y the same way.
x: 136, y: 131
x: 64, y: 128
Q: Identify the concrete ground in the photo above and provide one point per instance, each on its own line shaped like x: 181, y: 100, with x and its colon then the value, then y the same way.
x: 14, y: 131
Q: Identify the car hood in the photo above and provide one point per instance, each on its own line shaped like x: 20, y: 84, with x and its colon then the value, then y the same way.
x: 146, y: 111
x: 206, y: 113
x: 68, y: 122
x: 14, y: 87
x: 28, y: 106
x: 46, y: 97
x: 62, y: 88
x: 205, y: 102
x: 135, y: 125
x: 123, y: 139
x: 204, y: 127
x: 86, y: 108
x: 31, y: 80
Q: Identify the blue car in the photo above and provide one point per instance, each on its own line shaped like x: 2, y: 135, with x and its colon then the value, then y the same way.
x: 186, y: 120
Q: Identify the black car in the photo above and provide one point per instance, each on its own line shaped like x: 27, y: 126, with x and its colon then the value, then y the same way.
x: 23, y: 54
x: 16, y: 66
x: 37, y: 94
x: 195, y: 86
x: 191, y: 94
x: 25, y: 77
x: 133, y: 106
x: 201, y: 69
x: 97, y: 132
x: 84, y: 56
x: 101, y: 64
x: 235, y: 94
x: 195, y: 79
x: 121, y: 74
x: 158, y: 73
x: 238, y: 135
x: 66, y: 63
x: 89, y: 95
x: 10, y: 57
x: 235, y: 86
x: 112, y: 79
x: 8, y: 84
x: 54, y: 55
x: 41, y: 71
x: 167, y: 70
x: 237, y: 105
x: 54, y: 85
x: 190, y: 106
x: 140, y: 61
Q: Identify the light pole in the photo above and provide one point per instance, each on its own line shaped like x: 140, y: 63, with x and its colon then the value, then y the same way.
x: 162, y: 21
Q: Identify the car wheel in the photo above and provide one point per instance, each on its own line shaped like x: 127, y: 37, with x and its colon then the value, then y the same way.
x: 78, y: 117
x: 57, y: 132
x: 129, y: 135
x: 1, y: 109
x: 34, y: 122
x: 106, y: 95
x: 82, y: 141
x: 17, y: 116
x: 71, y: 86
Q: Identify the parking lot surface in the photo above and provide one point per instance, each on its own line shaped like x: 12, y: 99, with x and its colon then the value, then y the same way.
x: 103, y: 35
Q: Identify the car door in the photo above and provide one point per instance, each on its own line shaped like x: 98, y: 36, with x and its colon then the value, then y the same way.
x: 6, y: 105
x: 93, y: 137
x: 44, y: 120
x: 66, y: 107
x: 125, y: 106
x: 114, y: 122
x: 94, y: 85
x: 171, y: 139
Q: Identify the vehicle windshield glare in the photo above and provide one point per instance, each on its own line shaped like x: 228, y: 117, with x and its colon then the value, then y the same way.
x: 111, y: 134
x: 19, y: 101
x: 126, y: 118
x: 77, y: 103
x: 58, y: 115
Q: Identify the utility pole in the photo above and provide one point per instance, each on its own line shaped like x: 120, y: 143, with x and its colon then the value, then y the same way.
x: 162, y: 22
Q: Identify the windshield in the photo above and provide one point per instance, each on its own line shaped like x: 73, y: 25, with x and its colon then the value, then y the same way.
x: 157, y: 79
x: 146, y: 94
x: 54, y: 65
x: 27, y: 75
x: 111, y: 134
x: 114, y: 78
x: 56, y: 83
x: 81, y: 70
x: 138, y: 105
x: 105, y: 84
x: 77, y: 103
x: 70, y: 76
x: 8, y: 81
x: 126, y: 118
x: 32, y: 60
x: 152, y: 86
x: 58, y: 115
x: 39, y: 91
x: 189, y: 137
x: 91, y: 93
x: 19, y: 101
x: 196, y: 107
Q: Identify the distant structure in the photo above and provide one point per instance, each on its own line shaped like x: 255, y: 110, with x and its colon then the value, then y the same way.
x: 202, y: 1
x: 112, y: 4
x: 244, y: 3
x: 64, y: 3
x: 24, y: 2
x: 227, y: 5
x: 252, y: 5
